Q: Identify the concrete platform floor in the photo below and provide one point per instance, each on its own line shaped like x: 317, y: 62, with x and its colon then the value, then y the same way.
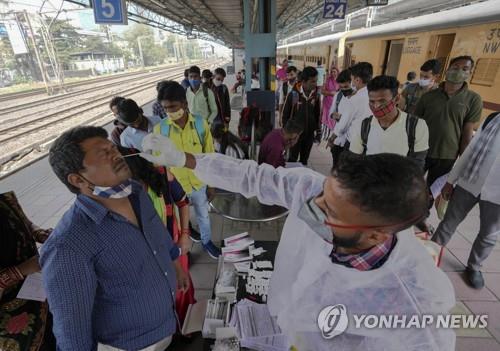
x: 45, y: 199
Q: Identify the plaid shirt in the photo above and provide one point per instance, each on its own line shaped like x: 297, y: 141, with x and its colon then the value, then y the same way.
x: 367, y: 260
x: 158, y: 110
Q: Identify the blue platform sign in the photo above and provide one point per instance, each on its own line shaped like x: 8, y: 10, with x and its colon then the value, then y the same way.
x: 335, y: 9
x: 110, y: 11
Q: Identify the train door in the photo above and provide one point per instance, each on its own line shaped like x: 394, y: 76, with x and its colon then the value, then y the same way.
x: 392, y: 59
x: 440, y: 48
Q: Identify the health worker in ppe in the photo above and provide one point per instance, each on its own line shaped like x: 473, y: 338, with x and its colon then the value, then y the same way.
x: 347, y: 240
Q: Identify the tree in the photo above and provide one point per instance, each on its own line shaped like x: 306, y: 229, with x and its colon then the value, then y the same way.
x: 97, y: 44
x: 7, y: 59
x: 65, y: 39
x: 153, y: 54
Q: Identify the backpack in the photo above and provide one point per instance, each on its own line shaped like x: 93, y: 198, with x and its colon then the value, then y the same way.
x: 285, y: 88
x: 248, y: 116
x: 411, y: 96
x: 337, y: 101
x: 164, y: 129
x: 489, y: 119
x: 411, y: 127
x: 204, y: 88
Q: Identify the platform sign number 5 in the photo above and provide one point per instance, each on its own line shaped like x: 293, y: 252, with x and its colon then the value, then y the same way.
x: 110, y: 11
x: 335, y: 9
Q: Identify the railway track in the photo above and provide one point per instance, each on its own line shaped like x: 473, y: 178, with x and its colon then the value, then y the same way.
x: 42, y: 91
x: 65, y: 101
x: 18, y: 140
x: 98, y: 84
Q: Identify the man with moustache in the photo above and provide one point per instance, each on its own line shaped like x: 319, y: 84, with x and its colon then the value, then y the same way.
x: 109, y: 268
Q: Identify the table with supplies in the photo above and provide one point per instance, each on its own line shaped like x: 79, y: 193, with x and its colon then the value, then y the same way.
x: 236, y: 317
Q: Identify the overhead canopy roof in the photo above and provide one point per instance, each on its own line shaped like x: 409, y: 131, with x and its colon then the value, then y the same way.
x: 223, y: 19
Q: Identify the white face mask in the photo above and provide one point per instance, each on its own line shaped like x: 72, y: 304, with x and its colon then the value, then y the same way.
x: 174, y: 116
x: 217, y: 82
x: 424, y: 82
x: 203, y: 80
x: 119, y: 191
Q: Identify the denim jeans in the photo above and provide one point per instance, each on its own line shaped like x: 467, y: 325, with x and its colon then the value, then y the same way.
x: 198, y: 199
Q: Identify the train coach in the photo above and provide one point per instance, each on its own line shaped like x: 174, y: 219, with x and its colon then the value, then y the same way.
x: 402, y: 46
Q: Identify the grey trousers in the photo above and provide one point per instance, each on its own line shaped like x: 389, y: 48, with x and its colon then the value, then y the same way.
x: 460, y: 204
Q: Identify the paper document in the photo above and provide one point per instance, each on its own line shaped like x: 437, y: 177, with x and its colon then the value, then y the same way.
x: 438, y: 185
x: 32, y: 288
x: 256, y: 328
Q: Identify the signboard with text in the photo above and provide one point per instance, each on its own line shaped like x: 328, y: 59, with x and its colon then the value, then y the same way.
x: 110, y: 11
x: 335, y: 9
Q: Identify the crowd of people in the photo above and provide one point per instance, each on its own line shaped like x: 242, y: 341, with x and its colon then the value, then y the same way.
x: 116, y: 268
x: 430, y: 121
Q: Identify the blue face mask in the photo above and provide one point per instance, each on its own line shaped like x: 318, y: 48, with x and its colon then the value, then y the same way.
x: 194, y: 83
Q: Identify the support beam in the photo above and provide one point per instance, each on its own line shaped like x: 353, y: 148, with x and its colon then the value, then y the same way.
x: 260, y: 56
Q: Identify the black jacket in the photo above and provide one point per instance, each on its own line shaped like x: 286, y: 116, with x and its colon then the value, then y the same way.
x: 304, y: 110
x: 223, y: 103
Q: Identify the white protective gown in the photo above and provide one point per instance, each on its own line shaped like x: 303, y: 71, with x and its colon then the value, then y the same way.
x: 305, y: 280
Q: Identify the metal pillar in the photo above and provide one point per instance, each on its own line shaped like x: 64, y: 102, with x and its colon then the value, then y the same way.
x: 260, y: 45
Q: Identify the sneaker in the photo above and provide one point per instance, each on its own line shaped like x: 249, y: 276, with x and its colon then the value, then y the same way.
x: 212, y: 250
x: 474, y: 278
x: 194, y: 234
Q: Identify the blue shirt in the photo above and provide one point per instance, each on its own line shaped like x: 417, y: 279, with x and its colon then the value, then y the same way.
x: 132, y: 137
x: 107, y: 281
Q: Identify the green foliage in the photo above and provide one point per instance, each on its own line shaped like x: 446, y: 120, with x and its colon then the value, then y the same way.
x: 153, y: 54
x: 7, y: 59
x: 97, y: 44
x: 65, y: 38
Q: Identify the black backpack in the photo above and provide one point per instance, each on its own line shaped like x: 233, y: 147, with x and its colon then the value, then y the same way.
x: 489, y: 119
x: 204, y: 87
x: 285, y: 89
x: 411, y: 127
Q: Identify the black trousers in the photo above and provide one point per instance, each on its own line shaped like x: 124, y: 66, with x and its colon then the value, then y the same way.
x: 302, y: 149
x: 436, y: 168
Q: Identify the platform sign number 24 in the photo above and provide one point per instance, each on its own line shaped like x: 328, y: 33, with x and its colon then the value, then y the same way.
x: 335, y: 9
x: 110, y: 11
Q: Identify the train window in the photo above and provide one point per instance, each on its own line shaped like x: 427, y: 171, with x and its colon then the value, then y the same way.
x: 486, y: 71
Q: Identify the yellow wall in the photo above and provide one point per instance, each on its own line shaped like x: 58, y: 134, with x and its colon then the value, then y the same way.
x: 368, y: 50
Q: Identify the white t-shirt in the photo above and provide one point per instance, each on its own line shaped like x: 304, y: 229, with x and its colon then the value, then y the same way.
x: 487, y: 182
x: 358, y: 108
x: 342, y: 126
x: 392, y: 140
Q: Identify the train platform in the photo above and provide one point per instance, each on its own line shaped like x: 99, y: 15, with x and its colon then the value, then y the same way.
x: 45, y: 199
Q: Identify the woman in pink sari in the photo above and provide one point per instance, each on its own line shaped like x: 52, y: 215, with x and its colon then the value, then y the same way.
x: 329, y: 89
